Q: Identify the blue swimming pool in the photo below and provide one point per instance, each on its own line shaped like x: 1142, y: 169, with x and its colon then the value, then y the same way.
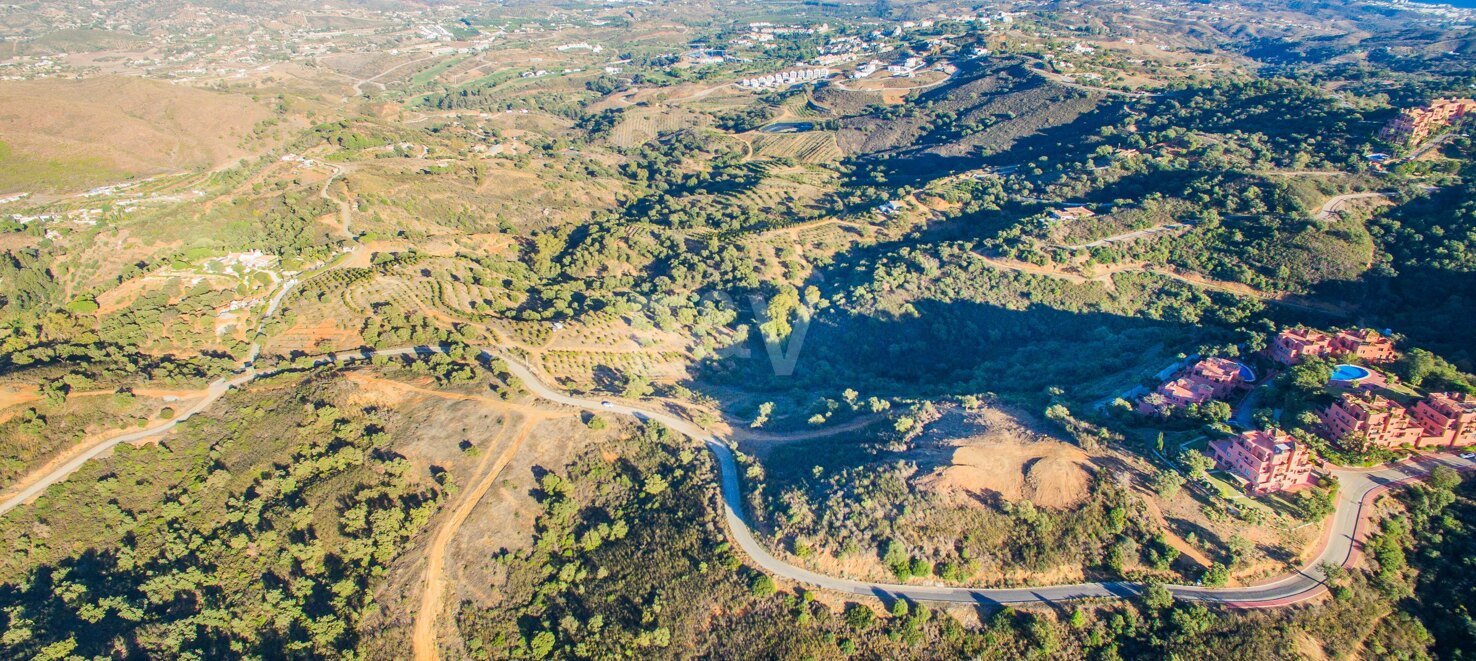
x: 1246, y: 373
x: 1349, y: 373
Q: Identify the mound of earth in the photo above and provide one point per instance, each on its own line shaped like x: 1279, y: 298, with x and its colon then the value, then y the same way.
x: 1000, y: 459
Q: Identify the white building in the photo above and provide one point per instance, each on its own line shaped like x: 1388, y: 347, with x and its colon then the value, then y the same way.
x: 785, y: 79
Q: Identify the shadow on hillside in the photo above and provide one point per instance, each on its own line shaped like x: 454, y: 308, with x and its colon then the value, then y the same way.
x: 1431, y: 306
x: 995, y: 113
x: 939, y: 348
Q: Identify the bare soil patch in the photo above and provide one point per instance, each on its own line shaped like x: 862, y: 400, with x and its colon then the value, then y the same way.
x: 985, y: 456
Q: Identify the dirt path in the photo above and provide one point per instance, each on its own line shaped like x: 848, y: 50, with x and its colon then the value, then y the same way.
x: 1241, y: 289
x: 423, y: 640
x: 9, y: 398
x: 780, y: 438
x: 1105, y: 272
x: 1103, y: 275
x: 1301, y: 173
x: 1061, y: 80
x: 1131, y: 236
x: 840, y: 84
x: 1173, y: 538
x: 75, y: 450
x: 703, y: 93
x: 359, y: 86
x: 344, y: 218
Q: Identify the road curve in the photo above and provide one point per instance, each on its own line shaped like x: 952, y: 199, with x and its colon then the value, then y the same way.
x: 1341, y: 544
x: 1336, y: 202
x: 212, y: 393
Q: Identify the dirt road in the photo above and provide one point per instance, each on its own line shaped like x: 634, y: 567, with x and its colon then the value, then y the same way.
x: 423, y: 639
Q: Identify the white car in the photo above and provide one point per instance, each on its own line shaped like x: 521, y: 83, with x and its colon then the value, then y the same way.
x: 1468, y: 455
x: 607, y: 405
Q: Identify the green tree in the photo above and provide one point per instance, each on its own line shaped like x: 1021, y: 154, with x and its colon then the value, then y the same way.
x: 1216, y: 575
x: 1157, y: 597
x: 1197, y: 463
x: 1445, y: 478
x: 860, y: 616
x: 636, y: 387
x: 762, y: 586
x: 542, y: 644
x: 764, y: 411
x: 1215, y: 411
x: 1414, y: 366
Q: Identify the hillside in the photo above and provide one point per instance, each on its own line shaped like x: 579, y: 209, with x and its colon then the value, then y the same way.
x: 979, y: 113
x: 919, y: 329
x: 69, y: 134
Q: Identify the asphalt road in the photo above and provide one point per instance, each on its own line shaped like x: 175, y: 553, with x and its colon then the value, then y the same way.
x: 1354, y: 497
x: 1341, y: 544
x: 1336, y: 202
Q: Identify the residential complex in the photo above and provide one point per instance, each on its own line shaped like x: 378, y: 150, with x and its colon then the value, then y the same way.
x: 1366, y: 344
x: 1412, y: 126
x: 785, y: 79
x: 1447, y: 419
x: 1211, y: 378
x: 1267, y: 460
x: 1377, y: 418
x: 1294, y: 345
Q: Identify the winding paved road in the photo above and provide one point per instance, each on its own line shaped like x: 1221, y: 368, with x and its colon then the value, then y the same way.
x: 1341, y: 545
x: 1335, y: 203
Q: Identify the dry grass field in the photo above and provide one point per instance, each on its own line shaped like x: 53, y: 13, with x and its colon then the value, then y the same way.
x: 67, y: 134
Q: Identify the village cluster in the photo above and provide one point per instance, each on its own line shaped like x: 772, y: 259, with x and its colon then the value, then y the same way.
x: 1361, y: 417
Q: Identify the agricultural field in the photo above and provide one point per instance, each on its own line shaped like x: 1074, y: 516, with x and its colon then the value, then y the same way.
x: 639, y: 126
x: 811, y: 147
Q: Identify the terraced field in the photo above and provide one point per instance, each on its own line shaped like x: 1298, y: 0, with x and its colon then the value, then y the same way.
x: 641, y: 125
x: 588, y: 367
x: 802, y: 106
x: 809, y: 147
x: 828, y: 236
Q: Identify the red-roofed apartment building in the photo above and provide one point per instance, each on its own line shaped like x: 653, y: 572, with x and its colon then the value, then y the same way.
x: 1447, y: 419
x: 1293, y: 345
x: 1385, y: 423
x: 1413, y: 125
x: 1211, y: 378
x: 1268, y: 461
x: 1367, y: 344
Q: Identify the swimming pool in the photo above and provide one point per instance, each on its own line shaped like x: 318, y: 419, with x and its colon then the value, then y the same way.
x: 1349, y: 373
x: 1246, y: 373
